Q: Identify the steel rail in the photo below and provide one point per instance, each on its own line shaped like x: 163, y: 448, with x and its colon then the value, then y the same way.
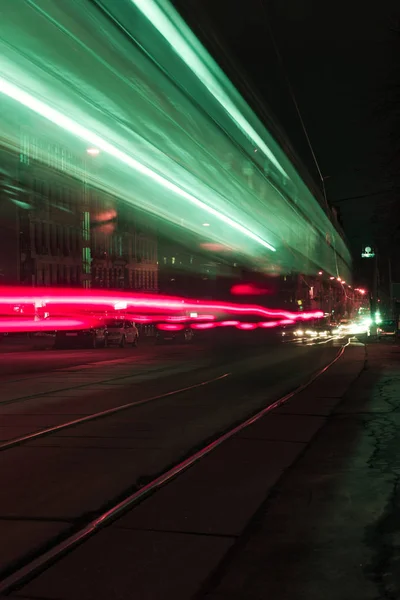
x: 41, y: 562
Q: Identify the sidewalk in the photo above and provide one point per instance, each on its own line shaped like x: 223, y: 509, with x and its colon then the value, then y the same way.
x: 331, y: 530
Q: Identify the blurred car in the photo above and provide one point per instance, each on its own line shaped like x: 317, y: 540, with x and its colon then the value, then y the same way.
x: 387, y: 330
x: 121, y: 332
x: 94, y: 337
x: 180, y: 336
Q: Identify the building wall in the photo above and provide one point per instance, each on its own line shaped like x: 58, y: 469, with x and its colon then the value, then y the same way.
x: 9, y: 240
x: 64, y: 232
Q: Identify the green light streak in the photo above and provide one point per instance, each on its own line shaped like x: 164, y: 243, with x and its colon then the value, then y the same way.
x: 157, y: 17
x: 12, y: 91
x: 174, y: 149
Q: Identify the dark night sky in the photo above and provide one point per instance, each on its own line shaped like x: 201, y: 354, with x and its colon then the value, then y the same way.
x: 338, y: 56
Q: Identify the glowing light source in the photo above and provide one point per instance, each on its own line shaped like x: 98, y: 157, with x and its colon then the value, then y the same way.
x: 203, y: 325
x: 63, y: 301
x: 206, y: 224
x: 184, y: 49
x: 247, y: 326
x: 169, y: 327
x: 247, y: 289
x: 268, y: 324
x: 93, y: 151
x: 25, y: 324
x: 61, y: 120
x: 121, y: 305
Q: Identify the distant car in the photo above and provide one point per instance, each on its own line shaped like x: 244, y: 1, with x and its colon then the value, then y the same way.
x: 121, y: 332
x: 182, y: 336
x: 94, y: 337
x: 387, y: 329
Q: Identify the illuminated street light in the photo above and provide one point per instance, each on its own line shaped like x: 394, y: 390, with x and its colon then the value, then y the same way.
x: 320, y: 272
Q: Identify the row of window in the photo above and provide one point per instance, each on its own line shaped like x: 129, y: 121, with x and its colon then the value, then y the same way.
x: 54, y: 196
x: 118, y: 278
x: 49, y: 238
x: 54, y: 155
x: 53, y: 274
x: 56, y: 274
x: 173, y: 260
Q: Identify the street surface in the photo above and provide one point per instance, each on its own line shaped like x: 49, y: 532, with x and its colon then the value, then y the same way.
x: 53, y: 483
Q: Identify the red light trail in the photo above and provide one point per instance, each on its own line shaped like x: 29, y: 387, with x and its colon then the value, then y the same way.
x: 87, y: 305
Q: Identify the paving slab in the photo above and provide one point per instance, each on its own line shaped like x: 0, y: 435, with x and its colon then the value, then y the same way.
x: 182, y: 532
x: 305, y: 404
x: 331, y: 386
x: 18, y: 535
x: 9, y: 433
x: 284, y: 427
x: 59, y: 489
x: 99, y: 442
x: 206, y: 499
x: 34, y: 421
x: 122, y: 564
x: 331, y: 530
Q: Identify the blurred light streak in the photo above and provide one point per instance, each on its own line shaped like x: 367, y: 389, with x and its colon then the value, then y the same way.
x: 66, y: 298
x: 24, y: 325
x: 214, y: 247
x: 247, y: 326
x: 93, y: 151
x: 203, y: 325
x: 228, y: 323
x: 247, y: 289
x: 170, y: 327
x: 178, y: 43
x: 75, y: 128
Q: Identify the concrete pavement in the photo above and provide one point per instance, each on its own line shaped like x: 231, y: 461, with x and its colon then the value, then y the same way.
x: 331, y: 529
x: 183, y: 539
x: 56, y: 482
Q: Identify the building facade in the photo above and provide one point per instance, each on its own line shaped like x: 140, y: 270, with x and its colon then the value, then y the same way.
x: 57, y: 230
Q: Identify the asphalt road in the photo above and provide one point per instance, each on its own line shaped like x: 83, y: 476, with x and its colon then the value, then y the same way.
x: 56, y: 482
x: 20, y: 356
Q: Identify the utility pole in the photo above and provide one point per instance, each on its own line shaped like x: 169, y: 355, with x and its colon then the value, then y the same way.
x: 368, y: 252
x: 375, y: 286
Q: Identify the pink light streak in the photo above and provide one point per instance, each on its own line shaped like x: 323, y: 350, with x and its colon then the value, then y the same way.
x: 144, y: 307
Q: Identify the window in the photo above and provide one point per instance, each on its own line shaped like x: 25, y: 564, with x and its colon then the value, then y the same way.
x: 37, y: 229
x: 43, y: 239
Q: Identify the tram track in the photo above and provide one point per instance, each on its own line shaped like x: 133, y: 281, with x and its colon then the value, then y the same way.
x: 102, y: 414
x: 75, y: 536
